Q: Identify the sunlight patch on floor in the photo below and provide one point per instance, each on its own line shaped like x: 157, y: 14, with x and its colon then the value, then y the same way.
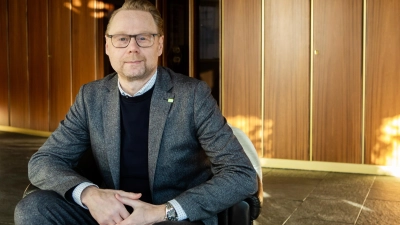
x: 357, y: 205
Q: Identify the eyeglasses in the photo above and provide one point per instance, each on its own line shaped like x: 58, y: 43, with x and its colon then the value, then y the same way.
x: 123, y: 40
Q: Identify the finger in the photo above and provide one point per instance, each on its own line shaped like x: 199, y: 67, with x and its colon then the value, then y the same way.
x: 130, y: 195
x: 125, y: 222
x: 116, y: 216
x: 126, y: 201
x: 124, y: 214
x: 117, y: 220
x: 108, y: 222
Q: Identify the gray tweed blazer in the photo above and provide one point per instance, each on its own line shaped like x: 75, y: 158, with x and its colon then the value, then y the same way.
x: 193, y: 155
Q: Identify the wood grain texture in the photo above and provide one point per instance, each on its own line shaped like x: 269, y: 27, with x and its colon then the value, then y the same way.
x: 287, y: 89
x: 60, y: 90
x: 83, y: 45
x: 337, y: 90
x: 100, y: 49
x: 38, y: 66
x: 241, y: 66
x: 4, y: 109
x: 18, y: 67
x: 382, y: 135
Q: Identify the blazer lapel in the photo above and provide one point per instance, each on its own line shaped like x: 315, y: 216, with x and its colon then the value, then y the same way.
x: 111, y: 122
x: 161, y: 103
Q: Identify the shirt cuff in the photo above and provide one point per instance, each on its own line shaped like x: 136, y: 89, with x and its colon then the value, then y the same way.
x: 179, y: 210
x: 76, y: 194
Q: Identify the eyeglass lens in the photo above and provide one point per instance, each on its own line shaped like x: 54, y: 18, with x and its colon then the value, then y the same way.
x: 123, y: 40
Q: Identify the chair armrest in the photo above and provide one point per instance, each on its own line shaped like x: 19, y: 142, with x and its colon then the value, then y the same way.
x: 242, y: 213
x: 238, y: 214
x: 255, y: 206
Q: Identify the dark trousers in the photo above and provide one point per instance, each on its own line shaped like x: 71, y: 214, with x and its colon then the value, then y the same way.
x: 48, y: 207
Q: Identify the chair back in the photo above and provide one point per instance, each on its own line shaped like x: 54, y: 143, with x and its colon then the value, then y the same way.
x: 251, y: 152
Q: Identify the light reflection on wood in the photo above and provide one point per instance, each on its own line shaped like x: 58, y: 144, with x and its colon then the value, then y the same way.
x: 386, y: 150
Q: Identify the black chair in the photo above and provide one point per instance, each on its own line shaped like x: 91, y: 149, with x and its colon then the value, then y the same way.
x: 242, y: 213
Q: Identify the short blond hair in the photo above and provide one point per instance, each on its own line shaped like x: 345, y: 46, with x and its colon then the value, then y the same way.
x: 142, y: 5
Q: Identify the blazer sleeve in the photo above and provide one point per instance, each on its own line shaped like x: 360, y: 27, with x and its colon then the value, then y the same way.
x: 234, y: 178
x: 51, y: 167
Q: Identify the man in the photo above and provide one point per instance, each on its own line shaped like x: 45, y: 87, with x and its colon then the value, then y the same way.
x: 163, y: 149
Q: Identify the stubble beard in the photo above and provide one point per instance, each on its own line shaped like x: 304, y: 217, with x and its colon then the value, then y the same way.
x: 136, y: 74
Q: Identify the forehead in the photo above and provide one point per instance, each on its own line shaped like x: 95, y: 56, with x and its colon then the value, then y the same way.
x: 133, y: 22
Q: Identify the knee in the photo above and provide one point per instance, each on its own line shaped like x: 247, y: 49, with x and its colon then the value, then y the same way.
x: 20, y: 212
x: 28, y: 210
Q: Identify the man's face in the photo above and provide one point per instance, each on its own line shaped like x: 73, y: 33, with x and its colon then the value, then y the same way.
x: 134, y: 62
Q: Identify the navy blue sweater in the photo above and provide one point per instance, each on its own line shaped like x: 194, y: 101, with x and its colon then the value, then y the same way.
x: 134, y: 175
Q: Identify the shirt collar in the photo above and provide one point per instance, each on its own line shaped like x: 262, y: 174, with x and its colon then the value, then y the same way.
x: 149, y: 84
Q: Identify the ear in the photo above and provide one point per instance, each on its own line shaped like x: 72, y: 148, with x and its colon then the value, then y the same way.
x: 160, y: 45
x: 106, y: 47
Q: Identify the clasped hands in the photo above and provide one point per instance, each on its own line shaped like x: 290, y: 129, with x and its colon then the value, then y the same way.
x: 107, y: 207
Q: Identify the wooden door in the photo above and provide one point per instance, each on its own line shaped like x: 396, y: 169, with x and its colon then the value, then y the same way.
x: 337, y: 81
x: 241, y: 67
x: 382, y: 133
x: 287, y: 89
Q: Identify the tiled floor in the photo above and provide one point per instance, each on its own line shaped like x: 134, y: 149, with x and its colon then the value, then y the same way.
x: 15, y: 151
x: 311, y: 197
x: 291, y: 197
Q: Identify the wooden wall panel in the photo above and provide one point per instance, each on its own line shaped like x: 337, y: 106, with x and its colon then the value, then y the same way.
x: 382, y: 83
x: 100, y: 49
x: 38, y: 65
x: 18, y: 72
x: 38, y: 85
x: 4, y: 109
x: 241, y: 66
x: 45, y: 59
x: 60, y: 98
x: 337, y: 77
x: 83, y: 46
x: 287, y: 90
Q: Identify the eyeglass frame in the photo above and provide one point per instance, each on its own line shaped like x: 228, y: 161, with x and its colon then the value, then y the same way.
x: 130, y: 37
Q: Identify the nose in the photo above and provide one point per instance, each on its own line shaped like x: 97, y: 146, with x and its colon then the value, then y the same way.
x: 133, y: 46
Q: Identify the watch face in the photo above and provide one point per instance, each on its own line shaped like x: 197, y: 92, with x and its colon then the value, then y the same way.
x: 170, y: 212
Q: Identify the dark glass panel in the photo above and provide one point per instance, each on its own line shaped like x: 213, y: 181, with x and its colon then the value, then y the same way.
x: 208, y: 44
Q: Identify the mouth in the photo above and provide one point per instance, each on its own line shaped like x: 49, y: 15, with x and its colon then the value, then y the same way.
x: 133, y: 62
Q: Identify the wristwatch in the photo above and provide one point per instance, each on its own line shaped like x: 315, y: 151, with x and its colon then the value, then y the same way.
x: 170, y: 213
